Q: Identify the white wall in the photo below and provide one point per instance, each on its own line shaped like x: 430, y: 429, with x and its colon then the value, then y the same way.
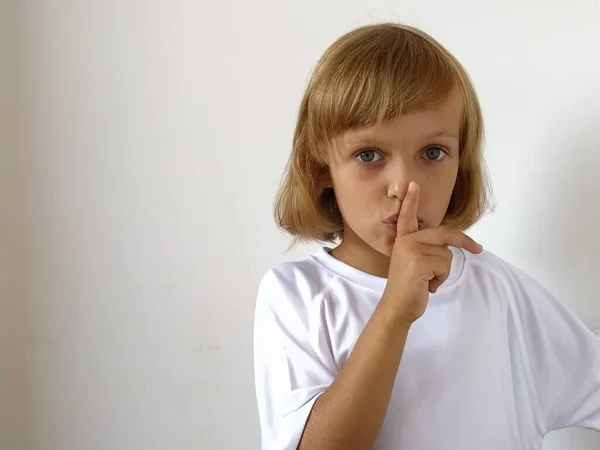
x: 154, y: 137
x: 13, y: 307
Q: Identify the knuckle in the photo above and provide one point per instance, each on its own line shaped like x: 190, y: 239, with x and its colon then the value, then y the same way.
x: 401, y: 241
x: 444, y: 232
x: 448, y: 254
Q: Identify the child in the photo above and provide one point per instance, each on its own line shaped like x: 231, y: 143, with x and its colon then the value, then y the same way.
x: 406, y: 335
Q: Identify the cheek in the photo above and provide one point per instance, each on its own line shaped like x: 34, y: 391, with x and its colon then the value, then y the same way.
x: 442, y: 190
x: 355, y: 191
x: 445, y: 184
x: 437, y: 190
x: 356, y: 196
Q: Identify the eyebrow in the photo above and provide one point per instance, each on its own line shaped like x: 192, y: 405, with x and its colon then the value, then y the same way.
x: 443, y: 133
x: 360, y: 138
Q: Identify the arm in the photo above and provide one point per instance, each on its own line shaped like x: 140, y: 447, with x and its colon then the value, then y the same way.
x: 349, y: 414
x: 562, y: 357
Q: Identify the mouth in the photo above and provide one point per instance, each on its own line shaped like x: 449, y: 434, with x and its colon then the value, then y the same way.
x: 392, y: 222
x: 393, y: 219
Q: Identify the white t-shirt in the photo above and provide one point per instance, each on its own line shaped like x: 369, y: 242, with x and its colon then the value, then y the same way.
x: 495, y: 363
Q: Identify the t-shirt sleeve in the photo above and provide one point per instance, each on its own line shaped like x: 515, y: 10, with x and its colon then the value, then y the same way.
x: 292, y: 362
x: 563, y: 359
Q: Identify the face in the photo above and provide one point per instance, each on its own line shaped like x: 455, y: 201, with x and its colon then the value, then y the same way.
x: 370, y: 169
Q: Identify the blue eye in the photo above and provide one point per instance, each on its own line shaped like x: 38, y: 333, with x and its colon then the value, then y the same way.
x: 368, y: 156
x: 435, y: 154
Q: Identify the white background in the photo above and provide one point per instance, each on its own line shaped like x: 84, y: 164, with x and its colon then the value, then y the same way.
x: 141, y: 145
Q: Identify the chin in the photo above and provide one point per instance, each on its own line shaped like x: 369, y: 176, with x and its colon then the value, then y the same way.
x: 382, y: 243
x: 384, y: 247
x: 387, y: 250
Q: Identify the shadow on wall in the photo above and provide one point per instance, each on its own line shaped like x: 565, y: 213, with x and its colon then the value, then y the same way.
x: 563, y: 236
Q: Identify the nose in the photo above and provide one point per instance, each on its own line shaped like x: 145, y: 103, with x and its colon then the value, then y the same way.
x: 395, y: 189
x: 399, y: 178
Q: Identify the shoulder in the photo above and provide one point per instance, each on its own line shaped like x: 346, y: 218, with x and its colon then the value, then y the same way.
x: 489, y: 265
x: 493, y: 273
x: 292, y: 286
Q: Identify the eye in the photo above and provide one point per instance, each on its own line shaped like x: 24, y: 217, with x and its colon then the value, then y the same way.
x: 368, y: 156
x: 435, y: 154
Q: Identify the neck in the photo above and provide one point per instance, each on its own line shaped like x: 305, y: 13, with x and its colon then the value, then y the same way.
x: 356, y: 253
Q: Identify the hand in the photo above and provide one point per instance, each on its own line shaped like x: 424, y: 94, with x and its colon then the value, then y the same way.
x: 420, y: 261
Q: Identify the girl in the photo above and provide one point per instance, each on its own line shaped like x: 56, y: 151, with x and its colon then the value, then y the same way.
x: 406, y: 335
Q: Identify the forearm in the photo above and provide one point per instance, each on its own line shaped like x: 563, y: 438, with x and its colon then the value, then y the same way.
x: 349, y: 414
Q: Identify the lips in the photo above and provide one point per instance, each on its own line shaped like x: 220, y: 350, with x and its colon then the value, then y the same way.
x: 392, y: 221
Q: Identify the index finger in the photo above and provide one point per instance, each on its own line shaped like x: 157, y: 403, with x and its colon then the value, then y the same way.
x: 407, y: 218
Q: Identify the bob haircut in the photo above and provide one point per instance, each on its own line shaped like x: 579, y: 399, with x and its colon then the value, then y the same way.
x: 366, y: 77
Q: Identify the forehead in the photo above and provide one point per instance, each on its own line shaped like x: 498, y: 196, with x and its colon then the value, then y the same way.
x: 439, y: 120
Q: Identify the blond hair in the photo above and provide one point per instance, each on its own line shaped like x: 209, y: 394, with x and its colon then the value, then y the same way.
x: 369, y: 76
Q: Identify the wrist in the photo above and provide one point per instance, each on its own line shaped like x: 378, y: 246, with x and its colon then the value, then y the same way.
x: 393, y: 315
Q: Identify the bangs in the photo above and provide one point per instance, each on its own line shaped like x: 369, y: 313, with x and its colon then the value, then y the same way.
x: 375, y: 75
